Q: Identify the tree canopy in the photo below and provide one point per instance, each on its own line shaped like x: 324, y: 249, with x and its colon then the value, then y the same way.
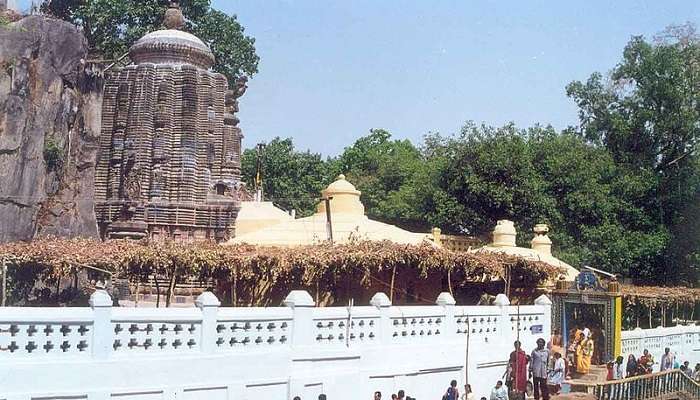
x: 112, y: 26
x: 620, y: 191
x: 291, y: 179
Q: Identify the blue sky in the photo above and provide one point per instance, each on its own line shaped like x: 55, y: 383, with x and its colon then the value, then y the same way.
x: 331, y: 70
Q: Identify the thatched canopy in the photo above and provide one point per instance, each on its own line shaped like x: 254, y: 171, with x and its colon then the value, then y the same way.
x: 653, y: 295
x: 137, y: 259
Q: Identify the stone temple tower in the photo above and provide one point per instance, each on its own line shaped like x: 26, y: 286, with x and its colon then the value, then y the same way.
x: 170, y: 147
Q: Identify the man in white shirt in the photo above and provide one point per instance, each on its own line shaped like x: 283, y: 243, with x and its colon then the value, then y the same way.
x: 499, y: 392
x: 667, y: 359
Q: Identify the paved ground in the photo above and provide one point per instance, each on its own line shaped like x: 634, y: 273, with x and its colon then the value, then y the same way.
x: 597, y: 374
x: 574, y: 396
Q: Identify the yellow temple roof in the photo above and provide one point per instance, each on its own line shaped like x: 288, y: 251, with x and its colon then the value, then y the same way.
x: 348, y: 223
x: 504, y: 242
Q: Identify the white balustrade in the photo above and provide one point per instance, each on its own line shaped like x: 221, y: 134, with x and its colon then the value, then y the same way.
x: 684, y: 342
x: 212, y: 352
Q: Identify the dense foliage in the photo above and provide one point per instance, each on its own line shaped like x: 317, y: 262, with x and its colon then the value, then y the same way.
x: 112, y: 26
x: 621, y: 191
x: 292, y: 179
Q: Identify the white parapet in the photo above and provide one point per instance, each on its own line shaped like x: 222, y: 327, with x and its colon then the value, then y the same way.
x: 683, y: 341
x: 213, y: 352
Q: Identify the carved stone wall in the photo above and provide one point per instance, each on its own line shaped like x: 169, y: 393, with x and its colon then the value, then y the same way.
x: 170, y: 154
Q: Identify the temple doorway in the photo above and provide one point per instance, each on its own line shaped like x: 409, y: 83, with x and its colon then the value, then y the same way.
x: 586, y: 303
x: 577, y: 317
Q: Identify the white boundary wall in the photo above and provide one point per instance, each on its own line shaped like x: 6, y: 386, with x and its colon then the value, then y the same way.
x: 684, y: 342
x: 217, y: 353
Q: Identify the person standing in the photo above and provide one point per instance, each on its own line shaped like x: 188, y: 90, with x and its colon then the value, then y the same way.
x: 632, y: 367
x: 688, y: 371
x: 539, y: 360
x: 517, y: 366
x: 452, y: 393
x: 618, y: 369
x: 377, y: 395
x: 696, y: 373
x: 556, y: 375
x: 499, y: 392
x: 584, y: 352
x: 468, y: 394
x: 646, y: 363
x: 667, y: 359
x: 574, y: 339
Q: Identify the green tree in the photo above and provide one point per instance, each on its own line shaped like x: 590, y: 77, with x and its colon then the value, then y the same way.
x: 480, y: 176
x: 600, y: 217
x: 537, y: 175
x: 292, y: 179
x: 379, y: 166
x: 647, y: 114
x: 112, y: 26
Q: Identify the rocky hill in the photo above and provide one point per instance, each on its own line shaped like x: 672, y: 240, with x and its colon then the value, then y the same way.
x: 50, y: 115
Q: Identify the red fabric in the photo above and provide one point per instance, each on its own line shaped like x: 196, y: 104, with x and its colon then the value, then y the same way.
x: 518, y: 364
x: 610, y: 372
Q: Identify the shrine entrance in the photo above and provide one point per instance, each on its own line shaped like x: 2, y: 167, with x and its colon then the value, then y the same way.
x: 577, y: 317
x: 587, y: 304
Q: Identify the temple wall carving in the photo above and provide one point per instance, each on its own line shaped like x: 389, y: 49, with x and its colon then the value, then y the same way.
x: 170, y: 153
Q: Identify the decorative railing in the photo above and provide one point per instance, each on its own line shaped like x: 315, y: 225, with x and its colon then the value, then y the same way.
x: 660, y: 385
x: 453, y: 242
x: 684, y: 342
x: 259, y: 352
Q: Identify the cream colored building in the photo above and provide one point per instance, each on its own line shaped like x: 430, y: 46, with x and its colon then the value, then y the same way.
x: 263, y: 224
x: 256, y: 215
x: 348, y: 222
x: 504, y: 236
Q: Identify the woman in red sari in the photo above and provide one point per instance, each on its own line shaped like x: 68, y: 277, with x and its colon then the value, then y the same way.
x: 517, y: 367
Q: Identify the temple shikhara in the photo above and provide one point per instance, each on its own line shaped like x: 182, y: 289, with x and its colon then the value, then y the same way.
x: 170, y: 147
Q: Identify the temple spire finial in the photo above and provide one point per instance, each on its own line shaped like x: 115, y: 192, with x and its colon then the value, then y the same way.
x: 173, y: 17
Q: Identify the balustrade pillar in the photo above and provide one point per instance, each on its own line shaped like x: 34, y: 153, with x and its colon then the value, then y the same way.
x: 383, y: 304
x: 102, y: 340
x: 546, y: 303
x: 209, y: 304
x: 447, y: 302
x: 504, y: 323
x: 302, y: 305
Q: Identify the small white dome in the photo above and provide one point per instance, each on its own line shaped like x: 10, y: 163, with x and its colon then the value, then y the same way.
x: 171, y: 46
x: 340, y: 186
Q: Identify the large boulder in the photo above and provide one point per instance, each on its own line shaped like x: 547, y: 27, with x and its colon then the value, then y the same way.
x: 50, y: 115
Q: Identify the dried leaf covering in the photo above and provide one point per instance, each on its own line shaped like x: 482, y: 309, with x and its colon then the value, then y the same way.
x: 304, y: 264
x: 651, y: 295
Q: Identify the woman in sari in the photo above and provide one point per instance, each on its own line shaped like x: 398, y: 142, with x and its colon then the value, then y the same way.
x: 517, y: 370
x: 574, y: 339
x: 584, y: 352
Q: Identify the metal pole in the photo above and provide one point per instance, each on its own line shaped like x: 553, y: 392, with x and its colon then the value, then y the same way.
x: 466, y: 356
x: 260, y: 148
x: 351, y: 303
x: 329, y: 224
x: 4, y: 282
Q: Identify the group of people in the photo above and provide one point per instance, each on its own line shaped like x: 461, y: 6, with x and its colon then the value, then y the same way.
x: 400, y: 395
x: 547, y: 371
x: 580, y: 351
x: 645, y: 365
x: 452, y: 393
